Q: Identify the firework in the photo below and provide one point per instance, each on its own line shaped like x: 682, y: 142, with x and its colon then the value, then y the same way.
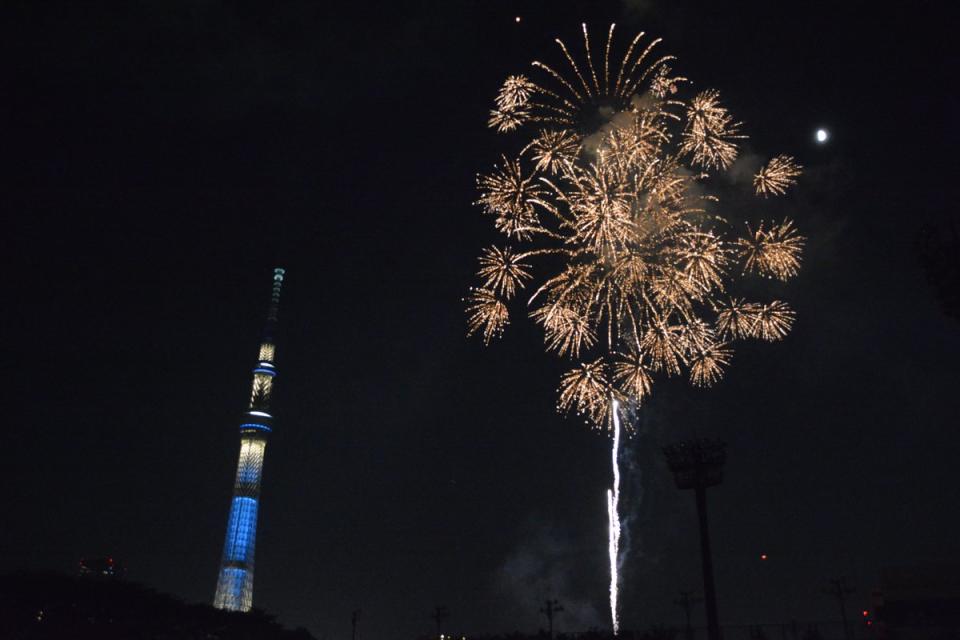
x: 738, y: 319
x: 507, y: 119
x: 487, y: 312
x: 773, y: 252
x: 611, y: 196
x: 565, y: 330
x: 585, y: 389
x: 509, y: 196
x: 609, y: 209
x: 515, y: 93
x: 779, y: 174
x: 710, y: 132
x: 503, y: 270
x: 632, y: 376
x: 774, y: 320
x: 552, y: 149
x: 708, y: 363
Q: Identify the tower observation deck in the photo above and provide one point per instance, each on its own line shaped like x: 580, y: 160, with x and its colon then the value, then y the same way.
x: 235, y: 582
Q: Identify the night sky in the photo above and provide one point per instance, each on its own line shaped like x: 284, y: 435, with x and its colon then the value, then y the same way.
x: 160, y: 157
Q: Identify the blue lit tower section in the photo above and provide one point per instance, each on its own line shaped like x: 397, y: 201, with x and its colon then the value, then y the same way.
x: 235, y: 583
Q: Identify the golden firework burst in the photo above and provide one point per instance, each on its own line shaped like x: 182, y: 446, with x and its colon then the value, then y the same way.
x: 632, y: 375
x: 710, y: 132
x: 486, y: 313
x: 515, y: 93
x: 586, y: 390
x: 610, y: 198
x: 774, y: 320
x: 503, y: 271
x: 773, y: 252
x: 509, y: 196
x: 707, y: 363
x: 775, y: 178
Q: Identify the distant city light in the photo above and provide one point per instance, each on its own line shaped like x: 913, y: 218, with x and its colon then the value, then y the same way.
x: 822, y: 135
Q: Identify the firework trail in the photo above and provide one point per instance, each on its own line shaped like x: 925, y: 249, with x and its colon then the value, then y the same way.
x: 613, y: 513
x: 616, y: 232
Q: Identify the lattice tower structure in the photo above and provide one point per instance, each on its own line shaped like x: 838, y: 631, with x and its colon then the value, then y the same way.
x: 235, y: 581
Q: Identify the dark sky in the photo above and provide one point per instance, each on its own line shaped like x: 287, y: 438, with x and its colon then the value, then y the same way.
x: 161, y: 156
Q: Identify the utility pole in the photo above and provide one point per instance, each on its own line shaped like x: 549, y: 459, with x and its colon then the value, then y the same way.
x: 550, y: 607
x: 354, y: 619
x: 440, y: 613
x: 840, y: 590
x: 685, y: 602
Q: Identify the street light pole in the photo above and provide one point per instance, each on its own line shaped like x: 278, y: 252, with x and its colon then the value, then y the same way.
x: 840, y: 590
x: 685, y: 601
x: 440, y: 613
x: 698, y: 465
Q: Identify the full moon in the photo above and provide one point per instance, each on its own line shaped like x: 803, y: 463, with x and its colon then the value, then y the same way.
x: 822, y: 135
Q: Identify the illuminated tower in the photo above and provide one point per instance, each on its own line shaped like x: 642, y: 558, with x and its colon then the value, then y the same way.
x: 235, y: 583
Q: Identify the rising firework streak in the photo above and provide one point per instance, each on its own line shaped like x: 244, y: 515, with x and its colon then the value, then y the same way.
x: 613, y: 513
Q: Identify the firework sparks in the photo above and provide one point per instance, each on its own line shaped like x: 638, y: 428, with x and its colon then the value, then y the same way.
x: 503, y: 271
x: 773, y: 252
x: 507, y: 119
x: 710, y: 132
x: 775, y: 178
x: 708, y: 363
x: 487, y: 312
x: 584, y: 390
x: 632, y: 376
x: 552, y: 149
x: 774, y: 320
x: 738, y: 319
x: 509, y: 196
x: 609, y: 200
x: 515, y: 93
x: 611, y: 196
x: 565, y: 330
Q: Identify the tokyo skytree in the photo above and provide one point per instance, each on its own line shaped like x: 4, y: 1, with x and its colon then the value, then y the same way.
x: 235, y: 583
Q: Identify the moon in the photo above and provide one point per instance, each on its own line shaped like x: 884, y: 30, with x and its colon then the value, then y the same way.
x: 822, y: 135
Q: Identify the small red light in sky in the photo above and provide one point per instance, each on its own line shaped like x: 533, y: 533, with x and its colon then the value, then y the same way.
x: 763, y: 556
x: 865, y: 613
